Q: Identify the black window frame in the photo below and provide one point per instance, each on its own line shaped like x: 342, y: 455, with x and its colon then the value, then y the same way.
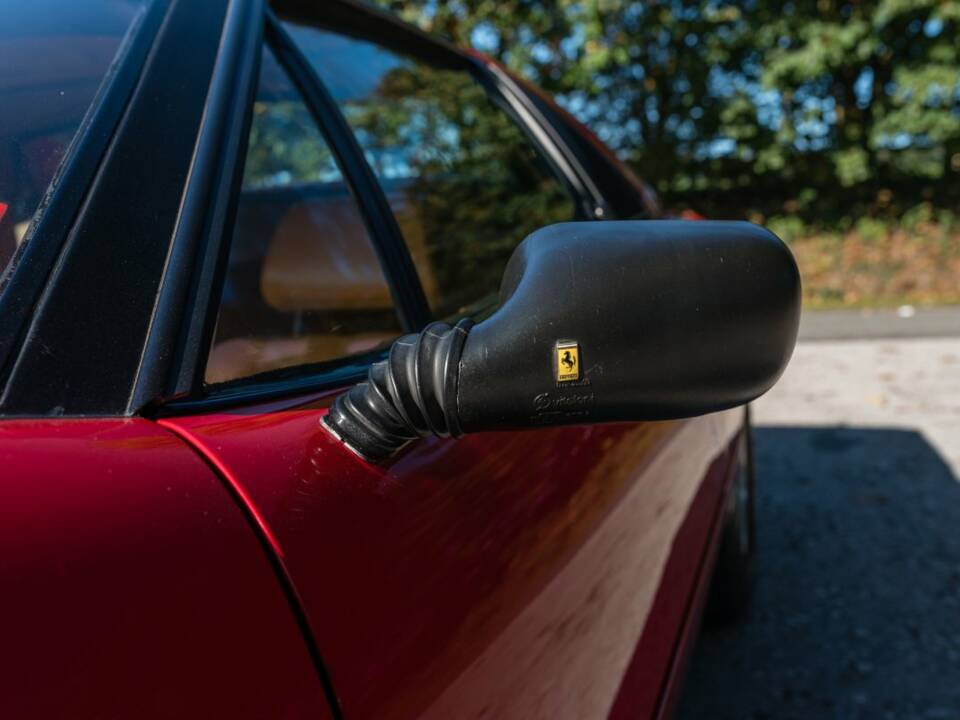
x: 24, y: 281
x: 81, y: 348
x: 383, y: 232
x: 369, y: 24
x: 162, y: 328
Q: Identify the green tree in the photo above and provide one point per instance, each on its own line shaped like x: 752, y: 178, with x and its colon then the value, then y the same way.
x: 643, y: 75
x: 821, y: 107
x: 869, y: 92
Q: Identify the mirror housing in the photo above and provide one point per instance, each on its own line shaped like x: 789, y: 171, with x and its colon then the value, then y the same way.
x: 598, y: 322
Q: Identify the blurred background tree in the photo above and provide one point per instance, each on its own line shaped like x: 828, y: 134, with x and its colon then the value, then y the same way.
x: 835, y: 122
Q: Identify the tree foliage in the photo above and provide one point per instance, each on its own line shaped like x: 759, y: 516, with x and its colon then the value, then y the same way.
x: 828, y: 109
x: 470, y: 184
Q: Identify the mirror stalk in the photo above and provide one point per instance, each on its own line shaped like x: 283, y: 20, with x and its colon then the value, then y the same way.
x: 411, y: 394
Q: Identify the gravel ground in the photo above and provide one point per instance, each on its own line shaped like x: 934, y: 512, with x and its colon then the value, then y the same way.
x: 857, y: 607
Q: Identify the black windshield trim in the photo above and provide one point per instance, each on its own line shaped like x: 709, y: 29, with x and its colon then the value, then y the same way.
x: 23, y: 281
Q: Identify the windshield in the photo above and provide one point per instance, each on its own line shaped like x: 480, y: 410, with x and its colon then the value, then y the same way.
x: 54, y: 55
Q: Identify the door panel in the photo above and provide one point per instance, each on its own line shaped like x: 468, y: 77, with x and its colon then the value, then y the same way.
x: 134, y: 587
x: 501, y: 575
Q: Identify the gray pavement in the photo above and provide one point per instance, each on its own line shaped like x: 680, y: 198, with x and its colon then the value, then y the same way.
x: 857, y: 608
x: 902, y: 322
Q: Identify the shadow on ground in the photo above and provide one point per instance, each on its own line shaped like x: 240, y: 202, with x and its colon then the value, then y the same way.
x: 857, y: 609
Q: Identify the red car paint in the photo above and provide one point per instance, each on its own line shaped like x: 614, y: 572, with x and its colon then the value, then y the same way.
x: 133, y: 586
x: 651, y: 684
x: 501, y: 575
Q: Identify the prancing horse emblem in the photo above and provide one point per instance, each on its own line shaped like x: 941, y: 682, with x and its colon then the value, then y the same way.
x: 567, y: 360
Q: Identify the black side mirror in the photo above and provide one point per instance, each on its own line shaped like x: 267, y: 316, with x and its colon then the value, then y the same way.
x: 599, y: 322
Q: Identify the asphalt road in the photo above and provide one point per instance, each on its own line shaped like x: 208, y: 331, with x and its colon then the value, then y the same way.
x: 902, y: 322
x: 857, y: 609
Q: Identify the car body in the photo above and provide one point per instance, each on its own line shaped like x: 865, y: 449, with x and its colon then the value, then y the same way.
x: 178, y: 534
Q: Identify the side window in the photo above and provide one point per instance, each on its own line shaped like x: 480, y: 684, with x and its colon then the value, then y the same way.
x: 464, y: 181
x: 303, y: 282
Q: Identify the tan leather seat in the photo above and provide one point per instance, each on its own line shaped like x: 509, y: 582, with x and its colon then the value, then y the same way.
x: 319, y: 259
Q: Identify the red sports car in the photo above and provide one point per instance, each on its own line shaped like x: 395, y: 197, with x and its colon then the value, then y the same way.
x: 343, y: 374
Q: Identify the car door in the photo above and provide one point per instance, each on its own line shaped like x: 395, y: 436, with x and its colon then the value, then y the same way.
x: 547, y: 573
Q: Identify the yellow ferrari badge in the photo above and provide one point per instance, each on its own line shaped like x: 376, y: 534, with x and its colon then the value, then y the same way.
x: 567, y: 361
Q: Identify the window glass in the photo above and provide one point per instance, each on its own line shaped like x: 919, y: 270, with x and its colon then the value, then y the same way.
x: 54, y: 55
x: 464, y: 181
x: 303, y: 282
